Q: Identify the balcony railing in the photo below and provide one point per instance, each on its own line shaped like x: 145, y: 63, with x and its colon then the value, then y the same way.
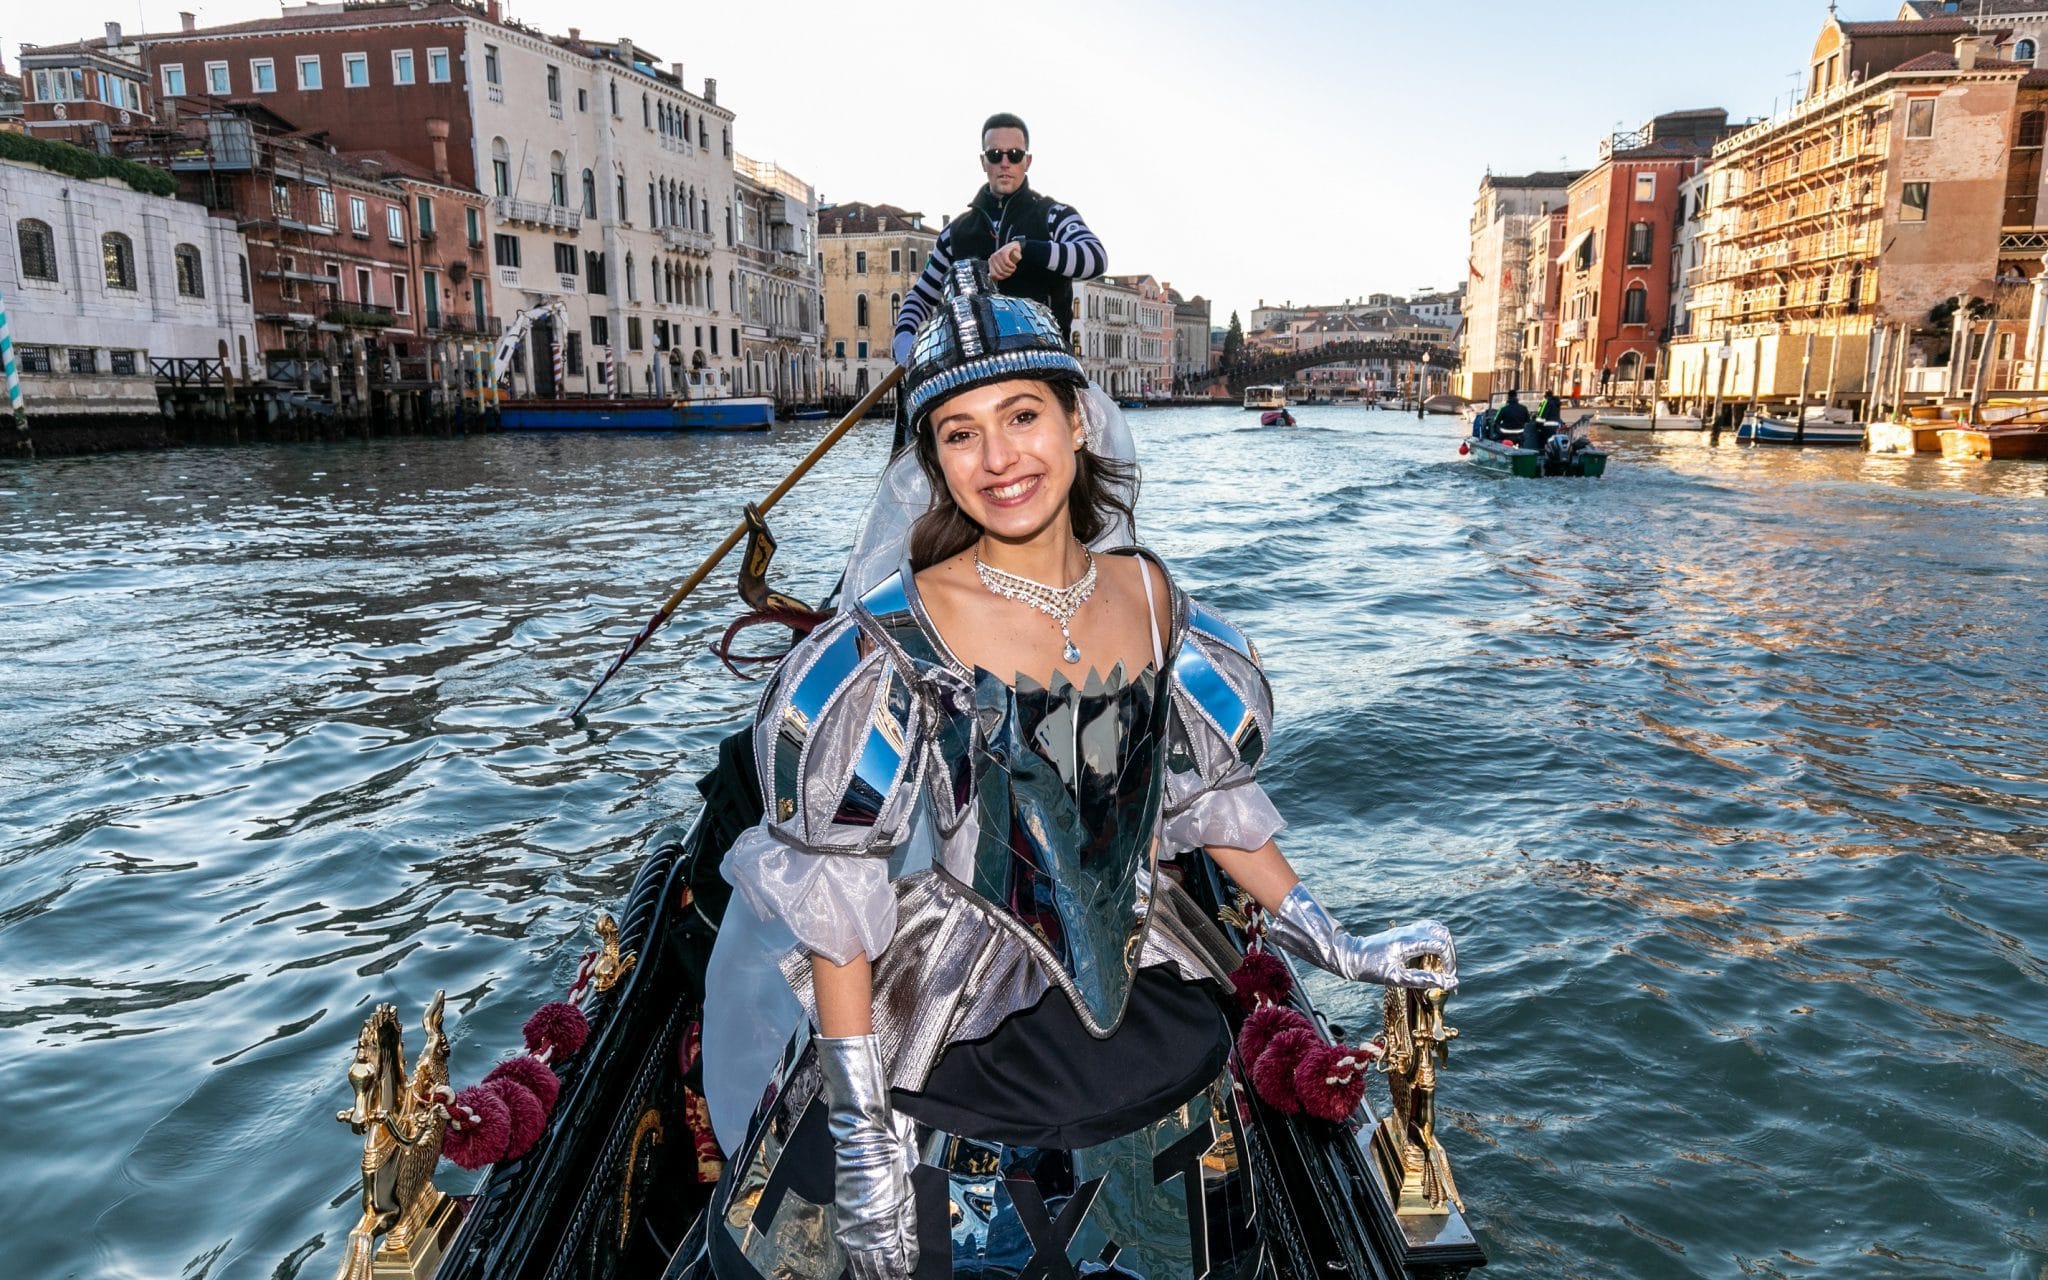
x: 686, y: 240
x: 555, y: 217
x: 788, y: 262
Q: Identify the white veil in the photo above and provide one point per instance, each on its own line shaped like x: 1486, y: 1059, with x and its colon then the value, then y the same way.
x: 904, y: 495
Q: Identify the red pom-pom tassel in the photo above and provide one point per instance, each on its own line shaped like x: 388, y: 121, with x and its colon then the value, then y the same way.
x: 533, y: 1074
x: 558, y: 1026
x: 1261, y: 979
x: 1273, y: 1073
x: 1262, y: 1025
x: 1330, y: 1081
x: 528, y: 1119
x: 479, y: 1123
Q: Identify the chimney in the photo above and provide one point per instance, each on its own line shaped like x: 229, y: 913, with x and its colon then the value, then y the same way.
x: 575, y: 35
x: 1967, y: 49
x: 437, y: 133
x: 187, y: 20
x: 113, y: 35
x: 491, y: 10
x: 625, y: 50
x: 676, y: 69
x: 881, y: 222
x: 710, y: 90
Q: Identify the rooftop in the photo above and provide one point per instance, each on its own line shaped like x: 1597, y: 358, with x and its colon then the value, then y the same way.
x: 857, y: 218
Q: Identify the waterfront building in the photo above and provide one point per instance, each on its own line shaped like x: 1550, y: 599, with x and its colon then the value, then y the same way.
x: 355, y: 257
x: 1192, y: 349
x: 1152, y: 360
x: 604, y: 174
x: 1615, y: 299
x: 1107, y: 333
x: 1896, y: 184
x: 1688, y: 249
x: 84, y: 92
x: 1539, y: 285
x: 1438, y: 307
x: 869, y: 257
x: 781, y: 312
x: 1496, y: 296
x: 102, y: 278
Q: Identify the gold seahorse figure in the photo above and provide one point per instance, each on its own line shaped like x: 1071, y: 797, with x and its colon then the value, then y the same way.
x: 403, y: 1122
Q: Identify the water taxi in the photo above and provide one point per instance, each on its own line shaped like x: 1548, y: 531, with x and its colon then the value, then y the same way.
x: 1271, y: 396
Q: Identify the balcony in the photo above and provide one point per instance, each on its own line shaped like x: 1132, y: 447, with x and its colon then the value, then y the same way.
x: 363, y: 315
x: 533, y: 213
x: 788, y: 262
x: 1571, y: 330
x: 686, y: 240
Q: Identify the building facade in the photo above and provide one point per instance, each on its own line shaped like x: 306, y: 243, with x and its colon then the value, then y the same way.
x: 1497, y: 288
x: 1108, y: 334
x: 85, y: 92
x: 101, y: 279
x: 781, y: 310
x: 869, y: 256
x: 1151, y: 371
x: 1621, y: 220
x: 611, y: 187
x: 1906, y: 177
x: 1192, y: 360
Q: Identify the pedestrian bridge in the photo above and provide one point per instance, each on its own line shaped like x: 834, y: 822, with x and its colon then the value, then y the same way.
x: 1282, y: 366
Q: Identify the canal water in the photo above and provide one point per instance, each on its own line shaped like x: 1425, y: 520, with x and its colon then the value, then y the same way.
x: 1730, y: 772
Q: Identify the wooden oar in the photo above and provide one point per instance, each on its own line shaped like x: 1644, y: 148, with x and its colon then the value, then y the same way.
x: 724, y: 549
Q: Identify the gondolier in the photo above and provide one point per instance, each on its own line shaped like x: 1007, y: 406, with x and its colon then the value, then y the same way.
x: 1036, y: 247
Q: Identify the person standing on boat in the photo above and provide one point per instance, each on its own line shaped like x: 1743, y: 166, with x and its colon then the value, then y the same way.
x: 973, y: 776
x: 1036, y: 247
x: 1512, y: 417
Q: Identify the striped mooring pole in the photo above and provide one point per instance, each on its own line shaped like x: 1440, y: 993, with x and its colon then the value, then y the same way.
x: 611, y: 374
x: 13, y: 367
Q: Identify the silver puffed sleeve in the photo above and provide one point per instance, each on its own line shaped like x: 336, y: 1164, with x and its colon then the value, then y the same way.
x: 1222, y: 722
x: 835, y: 741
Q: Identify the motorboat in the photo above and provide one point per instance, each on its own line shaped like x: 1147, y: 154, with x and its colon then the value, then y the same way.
x: 1266, y: 396
x: 1983, y: 443
x: 1276, y: 418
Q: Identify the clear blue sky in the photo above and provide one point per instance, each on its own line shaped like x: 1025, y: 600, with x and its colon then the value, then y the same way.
x: 1303, y: 149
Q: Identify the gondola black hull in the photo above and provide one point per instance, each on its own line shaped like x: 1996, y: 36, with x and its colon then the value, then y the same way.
x: 616, y: 1187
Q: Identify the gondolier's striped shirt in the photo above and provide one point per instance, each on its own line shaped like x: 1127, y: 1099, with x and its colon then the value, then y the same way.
x: 1073, y: 252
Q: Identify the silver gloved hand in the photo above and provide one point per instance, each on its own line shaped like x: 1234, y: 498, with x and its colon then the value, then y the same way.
x: 1303, y: 927
x: 874, y: 1217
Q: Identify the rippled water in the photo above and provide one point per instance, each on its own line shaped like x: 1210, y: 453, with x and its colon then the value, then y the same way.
x: 1730, y: 771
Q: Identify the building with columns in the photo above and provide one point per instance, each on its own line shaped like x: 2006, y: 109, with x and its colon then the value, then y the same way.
x: 1108, y: 334
x: 1496, y: 296
x: 781, y: 309
x: 1191, y: 321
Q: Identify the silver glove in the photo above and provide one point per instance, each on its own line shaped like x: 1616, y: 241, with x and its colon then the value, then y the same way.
x: 1303, y: 927
x: 874, y: 1216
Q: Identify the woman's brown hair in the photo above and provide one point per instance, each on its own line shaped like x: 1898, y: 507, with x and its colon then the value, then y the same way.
x: 1104, y: 489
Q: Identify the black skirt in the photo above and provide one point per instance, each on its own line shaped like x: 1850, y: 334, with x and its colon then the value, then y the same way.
x: 1040, y: 1080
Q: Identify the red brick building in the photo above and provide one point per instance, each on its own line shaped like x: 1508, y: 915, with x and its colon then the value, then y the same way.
x: 372, y: 81
x: 347, y: 252
x: 1615, y: 288
x: 85, y: 92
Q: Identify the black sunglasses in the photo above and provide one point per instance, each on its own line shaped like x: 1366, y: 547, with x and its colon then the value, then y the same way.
x: 996, y: 155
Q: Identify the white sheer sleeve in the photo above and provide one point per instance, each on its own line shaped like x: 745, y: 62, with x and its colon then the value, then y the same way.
x: 837, y: 906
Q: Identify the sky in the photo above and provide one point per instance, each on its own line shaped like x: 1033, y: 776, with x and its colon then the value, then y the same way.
x: 1285, y: 150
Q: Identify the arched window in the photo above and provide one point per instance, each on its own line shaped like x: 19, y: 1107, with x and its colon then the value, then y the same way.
x: 38, y: 249
x: 1639, y: 244
x: 118, y: 252
x: 589, y: 194
x: 732, y: 292
x: 1635, y: 305
x: 860, y: 311
x: 686, y: 126
x: 620, y: 208
x: 632, y: 281
x: 2023, y: 51
x: 558, y: 181
x: 653, y: 206
x: 501, y: 167
x: 191, y: 271
x: 895, y: 305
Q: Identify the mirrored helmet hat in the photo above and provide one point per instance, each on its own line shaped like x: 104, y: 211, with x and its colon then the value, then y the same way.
x: 978, y: 336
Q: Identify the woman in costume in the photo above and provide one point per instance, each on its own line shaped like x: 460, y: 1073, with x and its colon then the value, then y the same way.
x: 1012, y: 1040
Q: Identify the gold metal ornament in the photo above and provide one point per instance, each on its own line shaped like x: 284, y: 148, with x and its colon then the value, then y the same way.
x: 1416, y: 1168
x: 610, y: 966
x: 403, y: 1123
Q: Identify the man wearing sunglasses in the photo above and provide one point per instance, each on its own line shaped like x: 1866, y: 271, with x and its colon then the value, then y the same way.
x: 1036, y: 247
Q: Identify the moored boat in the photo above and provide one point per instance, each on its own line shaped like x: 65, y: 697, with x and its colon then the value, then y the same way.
x: 1760, y: 428
x: 1443, y: 405
x: 1985, y: 443
x: 1903, y: 437
x: 736, y: 413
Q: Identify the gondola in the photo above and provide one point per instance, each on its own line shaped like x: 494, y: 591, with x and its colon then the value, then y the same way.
x: 615, y: 1184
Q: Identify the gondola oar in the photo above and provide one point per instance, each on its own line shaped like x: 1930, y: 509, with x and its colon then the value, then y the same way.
x: 724, y: 549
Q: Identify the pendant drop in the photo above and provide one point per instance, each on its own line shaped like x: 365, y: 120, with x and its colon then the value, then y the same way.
x: 1071, y: 654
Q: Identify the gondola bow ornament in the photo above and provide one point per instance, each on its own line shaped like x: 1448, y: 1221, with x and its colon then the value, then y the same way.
x: 1416, y: 1168
x: 403, y: 1122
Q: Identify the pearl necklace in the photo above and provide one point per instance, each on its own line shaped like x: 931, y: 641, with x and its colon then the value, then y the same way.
x: 1058, y: 603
